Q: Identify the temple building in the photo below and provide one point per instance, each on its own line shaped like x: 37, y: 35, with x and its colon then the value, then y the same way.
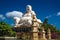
x: 29, y: 28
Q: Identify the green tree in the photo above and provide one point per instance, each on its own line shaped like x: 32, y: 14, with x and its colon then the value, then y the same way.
x: 45, y: 21
x: 58, y: 31
x: 46, y: 25
x: 5, y: 29
x: 55, y: 33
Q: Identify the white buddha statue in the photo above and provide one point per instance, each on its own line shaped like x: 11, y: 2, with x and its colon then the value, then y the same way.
x: 26, y: 20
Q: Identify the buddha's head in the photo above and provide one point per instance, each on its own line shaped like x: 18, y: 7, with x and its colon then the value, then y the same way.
x: 28, y: 8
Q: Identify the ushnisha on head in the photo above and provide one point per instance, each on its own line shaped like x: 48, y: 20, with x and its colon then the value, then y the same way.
x: 28, y: 8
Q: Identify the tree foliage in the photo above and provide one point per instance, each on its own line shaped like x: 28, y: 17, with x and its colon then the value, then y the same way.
x: 5, y: 29
x: 46, y: 26
x: 54, y: 31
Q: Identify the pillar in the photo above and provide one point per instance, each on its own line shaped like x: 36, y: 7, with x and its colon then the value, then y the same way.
x: 49, y: 34
x: 34, y: 29
x: 43, y: 37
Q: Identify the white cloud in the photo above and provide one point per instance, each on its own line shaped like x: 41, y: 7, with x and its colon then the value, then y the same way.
x: 48, y: 16
x: 2, y: 17
x: 14, y: 14
x: 58, y: 14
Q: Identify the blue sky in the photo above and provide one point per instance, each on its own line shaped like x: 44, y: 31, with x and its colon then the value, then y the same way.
x: 42, y: 8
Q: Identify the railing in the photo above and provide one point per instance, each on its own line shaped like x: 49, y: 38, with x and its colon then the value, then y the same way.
x: 8, y: 38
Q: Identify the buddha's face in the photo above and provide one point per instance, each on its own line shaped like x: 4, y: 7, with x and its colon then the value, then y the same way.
x: 28, y: 8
